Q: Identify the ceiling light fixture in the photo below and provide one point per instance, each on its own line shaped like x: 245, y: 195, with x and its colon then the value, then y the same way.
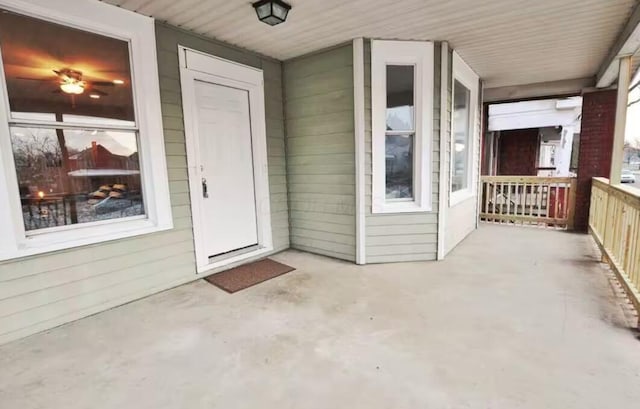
x: 118, y: 82
x: 75, y: 88
x: 94, y: 96
x: 272, y: 12
x: 71, y: 81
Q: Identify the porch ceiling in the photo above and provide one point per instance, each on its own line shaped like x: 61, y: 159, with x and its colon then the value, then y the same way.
x: 508, y: 42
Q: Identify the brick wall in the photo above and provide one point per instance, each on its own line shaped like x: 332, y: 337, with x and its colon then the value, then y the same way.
x: 518, y: 154
x: 596, y: 145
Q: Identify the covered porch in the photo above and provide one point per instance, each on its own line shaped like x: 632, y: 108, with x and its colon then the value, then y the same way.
x: 324, y: 173
x: 514, y: 317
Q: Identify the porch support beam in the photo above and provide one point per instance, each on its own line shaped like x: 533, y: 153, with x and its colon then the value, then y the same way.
x: 624, y: 78
x: 359, y: 132
x: 445, y: 117
x: 628, y: 43
x: 549, y: 89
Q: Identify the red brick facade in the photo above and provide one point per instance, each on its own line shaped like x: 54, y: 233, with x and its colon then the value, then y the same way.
x: 518, y: 152
x: 596, y: 145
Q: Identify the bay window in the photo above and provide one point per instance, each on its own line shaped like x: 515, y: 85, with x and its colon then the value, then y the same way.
x: 402, y: 103
x: 464, y: 131
x: 461, y: 136
x: 82, y: 159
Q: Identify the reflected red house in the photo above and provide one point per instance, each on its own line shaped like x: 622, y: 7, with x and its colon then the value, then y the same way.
x: 96, y: 166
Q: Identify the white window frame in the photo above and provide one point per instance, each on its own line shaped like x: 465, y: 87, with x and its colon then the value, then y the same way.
x: 467, y: 77
x: 139, y: 31
x: 420, y: 54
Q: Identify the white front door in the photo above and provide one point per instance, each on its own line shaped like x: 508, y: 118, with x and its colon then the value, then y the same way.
x: 228, y: 208
x: 226, y: 144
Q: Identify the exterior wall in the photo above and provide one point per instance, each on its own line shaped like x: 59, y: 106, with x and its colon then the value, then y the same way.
x: 44, y: 291
x: 596, y: 146
x: 169, y: 38
x: 401, y: 236
x: 462, y: 218
x: 518, y: 152
x: 321, y: 152
x: 461, y: 221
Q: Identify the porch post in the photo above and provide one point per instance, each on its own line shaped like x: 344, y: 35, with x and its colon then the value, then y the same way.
x: 624, y: 78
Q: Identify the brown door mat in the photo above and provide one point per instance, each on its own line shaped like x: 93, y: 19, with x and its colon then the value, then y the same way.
x: 248, y: 275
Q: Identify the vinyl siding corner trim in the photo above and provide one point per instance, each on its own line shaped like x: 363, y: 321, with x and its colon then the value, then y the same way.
x: 359, y: 124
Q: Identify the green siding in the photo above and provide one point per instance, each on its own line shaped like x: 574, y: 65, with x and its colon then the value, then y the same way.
x: 40, y: 292
x: 168, y: 40
x: 403, y: 236
x: 321, y: 152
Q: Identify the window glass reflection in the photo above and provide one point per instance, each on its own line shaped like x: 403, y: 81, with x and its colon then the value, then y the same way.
x: 55, y: 70
x: 399, y: 166
x: 400, y: 101
x: 68, y: 177
x: 460, y: 125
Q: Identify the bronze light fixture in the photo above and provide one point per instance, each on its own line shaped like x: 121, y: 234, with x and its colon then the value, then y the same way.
x: 272, y: 12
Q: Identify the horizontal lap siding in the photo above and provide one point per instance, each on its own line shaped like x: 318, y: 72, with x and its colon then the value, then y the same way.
x: 320, y: 152
x: 44, y: 291
x: 402, y: 236
x: 169, y: 38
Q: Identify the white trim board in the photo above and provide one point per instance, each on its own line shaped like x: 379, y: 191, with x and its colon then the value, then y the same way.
x: 198, y: 66
x: 478, y: 158
x: 359, y: 128
x: 420, y: 55
x: 444, y: 135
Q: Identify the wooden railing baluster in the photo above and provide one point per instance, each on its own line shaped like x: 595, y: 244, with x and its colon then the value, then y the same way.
x: 614, y: 224
x: 533, y: 200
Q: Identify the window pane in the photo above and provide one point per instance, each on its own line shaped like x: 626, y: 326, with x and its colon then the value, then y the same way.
x: 67, y: 177
x: 399, y: 166
x: 400, y: 102
x: 461, y: 116
x: 53, y: 71
x: 280, y: 12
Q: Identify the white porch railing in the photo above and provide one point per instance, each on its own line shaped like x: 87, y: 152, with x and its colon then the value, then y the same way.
x: 528, y: 200
x: 614, y: 223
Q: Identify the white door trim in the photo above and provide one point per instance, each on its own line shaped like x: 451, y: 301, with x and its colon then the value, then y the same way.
x: 197, y: 66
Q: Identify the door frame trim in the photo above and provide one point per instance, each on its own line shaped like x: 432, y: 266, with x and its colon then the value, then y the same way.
x: 198, y: 66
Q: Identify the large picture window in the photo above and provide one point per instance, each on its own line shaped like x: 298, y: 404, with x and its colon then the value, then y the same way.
x: 402, y: 101
x: 80, y: 153
x: 68, y: 175
x: 463, y: 131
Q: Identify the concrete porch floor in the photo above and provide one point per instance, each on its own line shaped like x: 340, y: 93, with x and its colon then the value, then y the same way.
x: 514, y: 318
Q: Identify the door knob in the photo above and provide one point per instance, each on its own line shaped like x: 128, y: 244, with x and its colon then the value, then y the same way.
x: 205, y: 193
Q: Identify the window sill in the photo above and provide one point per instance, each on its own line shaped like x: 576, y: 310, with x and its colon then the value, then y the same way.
x: 69, y: 239
x: 399, y: 207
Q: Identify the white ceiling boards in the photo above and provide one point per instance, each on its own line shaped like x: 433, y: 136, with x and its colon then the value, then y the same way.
x: 507, y: 42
